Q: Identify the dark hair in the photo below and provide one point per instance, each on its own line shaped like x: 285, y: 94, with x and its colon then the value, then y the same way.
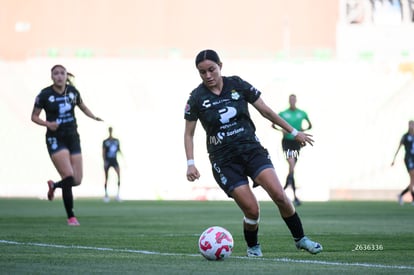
x: 207, y: 54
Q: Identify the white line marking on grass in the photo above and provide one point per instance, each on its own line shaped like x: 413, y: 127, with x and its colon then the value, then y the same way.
x: 146, y: 252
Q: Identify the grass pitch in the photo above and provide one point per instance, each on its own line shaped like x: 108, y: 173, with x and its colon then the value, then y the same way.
x: 160, y: 237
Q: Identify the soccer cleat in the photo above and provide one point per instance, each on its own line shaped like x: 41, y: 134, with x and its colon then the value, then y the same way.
x: 51, y: 191
x: 254, y: 251
x: 306, y: 244
x: 400, y: 200
x: 118, y: 198
x: 73, y: 221
x: 106, y: 199
x: 297, y: 202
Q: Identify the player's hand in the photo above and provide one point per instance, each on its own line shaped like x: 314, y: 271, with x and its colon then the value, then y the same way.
x: 192, y: 173
x: 304, y: 138
x: 98, y: 119
x: 52, y: 125
x: 392, y: 163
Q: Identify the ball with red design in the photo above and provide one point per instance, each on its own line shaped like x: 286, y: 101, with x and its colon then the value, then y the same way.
x: 216, y: 243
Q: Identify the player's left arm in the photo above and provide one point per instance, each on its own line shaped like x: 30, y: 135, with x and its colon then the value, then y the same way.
x: 309, y: 124
x: 268, y: 113
x: 88, y: 112
x: 119, y: 149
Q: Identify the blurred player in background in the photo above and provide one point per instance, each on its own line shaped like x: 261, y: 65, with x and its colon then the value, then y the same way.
x: 407, y: 141
x: 221, y: 105
x: 110, y: 149
x: 291, y: 147
x: 62, y: 139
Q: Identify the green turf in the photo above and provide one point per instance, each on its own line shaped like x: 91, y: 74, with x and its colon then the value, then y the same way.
x: 160, y: 237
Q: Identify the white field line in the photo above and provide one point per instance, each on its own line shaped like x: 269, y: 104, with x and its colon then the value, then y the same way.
x: 146, y: 252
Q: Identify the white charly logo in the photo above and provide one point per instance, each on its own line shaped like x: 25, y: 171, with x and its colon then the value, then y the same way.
x: 226, y: 114
x: 51, y: 98
x: 206, y: 103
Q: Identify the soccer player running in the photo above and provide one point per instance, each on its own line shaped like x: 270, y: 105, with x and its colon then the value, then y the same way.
x: 110, y: 149
x: 407, y: 141
x: 291, y: 146
x: 221, y: 105
x: 62, y: 139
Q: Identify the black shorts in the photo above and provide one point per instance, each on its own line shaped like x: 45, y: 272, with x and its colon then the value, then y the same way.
x: 57, y: 142
x: 291, y: 148
x: 236, y: 171
x: 110, y: 162
x: 409, y: 162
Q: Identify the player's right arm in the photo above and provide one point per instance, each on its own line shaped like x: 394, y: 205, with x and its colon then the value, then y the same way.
x: 192, y: 172
x: 103, y: 150
x: 36, y: 119
x: 396, y: 153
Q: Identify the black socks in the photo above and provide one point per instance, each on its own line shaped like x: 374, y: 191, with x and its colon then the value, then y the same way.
x: 295, y: 226
x: 67, y: 195
x: 251, y: 237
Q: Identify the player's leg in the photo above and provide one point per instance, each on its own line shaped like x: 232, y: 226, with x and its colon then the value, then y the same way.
x: 411, y: 186
x: 236, y: 186
x: 106, y: 171
x: 290, y: 180
x: 247, y: 202
x: 118, y: 174
x: 62, y: 162
x: 400, y: 196
x: 268, y: 179
x: 294, y: 148
x: 77, y: 166
x: 287, y: 151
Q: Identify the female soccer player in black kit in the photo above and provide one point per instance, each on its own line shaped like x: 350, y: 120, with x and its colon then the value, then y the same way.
x: 110, y: 149
x: 221, y: 105
x: 62, y: 139
x: 407, y: 141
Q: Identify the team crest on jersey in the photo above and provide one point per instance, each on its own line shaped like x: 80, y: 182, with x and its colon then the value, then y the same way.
x: 235, y: 95
x: 51, y: 98
x: 187, y: 108
x: 72, y: 97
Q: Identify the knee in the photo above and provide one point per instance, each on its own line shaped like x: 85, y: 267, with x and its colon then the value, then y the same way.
x: 77, y: 180
x: 280, y: 198
x: 252, y: 214
x: 252, y: 222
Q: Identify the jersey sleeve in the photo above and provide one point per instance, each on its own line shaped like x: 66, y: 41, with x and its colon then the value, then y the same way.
x: 78, y: 98
x: 191, y: 110
x: 39, y: 101
x: 251, y: 94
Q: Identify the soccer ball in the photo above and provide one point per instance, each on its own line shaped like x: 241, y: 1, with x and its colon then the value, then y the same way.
x: 216, y: 243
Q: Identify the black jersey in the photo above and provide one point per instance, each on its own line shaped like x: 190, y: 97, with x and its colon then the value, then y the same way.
x: 111, y: 147
x: 408, y: 141
x: 60, y: 107
x: 225, y: 117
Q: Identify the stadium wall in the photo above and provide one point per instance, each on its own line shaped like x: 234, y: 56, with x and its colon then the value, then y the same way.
x: 136, y: 73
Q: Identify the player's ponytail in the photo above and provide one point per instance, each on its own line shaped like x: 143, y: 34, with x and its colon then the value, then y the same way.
x: 70, y: 79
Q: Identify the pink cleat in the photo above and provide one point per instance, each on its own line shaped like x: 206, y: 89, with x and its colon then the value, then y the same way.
x: 51, y: 192
x: 73, y: 221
